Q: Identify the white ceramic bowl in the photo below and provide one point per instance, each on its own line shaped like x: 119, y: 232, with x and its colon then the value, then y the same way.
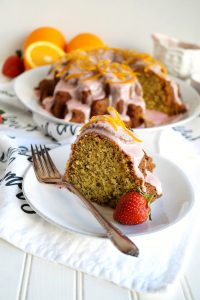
x: 180, y: 58
x: 195, y: 81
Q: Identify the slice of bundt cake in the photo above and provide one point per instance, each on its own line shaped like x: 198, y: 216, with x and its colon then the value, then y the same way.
x: 159, y: 91
x: 107, y: 160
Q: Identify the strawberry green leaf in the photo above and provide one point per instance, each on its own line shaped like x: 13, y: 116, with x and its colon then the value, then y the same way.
x: 148, y: 197
x: 150, y: 218
x: 19, y: 53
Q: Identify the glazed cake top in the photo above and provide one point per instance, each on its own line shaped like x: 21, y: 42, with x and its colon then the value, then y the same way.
x: 85, y: 77
x: 99, y: 75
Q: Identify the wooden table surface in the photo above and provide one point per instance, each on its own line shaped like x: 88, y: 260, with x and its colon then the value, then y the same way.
x: 26, y: 277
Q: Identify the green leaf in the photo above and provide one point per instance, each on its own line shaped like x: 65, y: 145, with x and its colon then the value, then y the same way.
x: 150, y: 197
x: 147, y: 196
x: 150, y: 218
x: 2, y: 112
x: 19, y: 53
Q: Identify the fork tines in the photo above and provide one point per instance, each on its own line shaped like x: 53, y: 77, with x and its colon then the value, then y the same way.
x: 43, y: 164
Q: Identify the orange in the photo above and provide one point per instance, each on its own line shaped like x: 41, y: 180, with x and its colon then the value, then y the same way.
x: 85, y: 41
x: 48, y: 34
x: 41, y: 53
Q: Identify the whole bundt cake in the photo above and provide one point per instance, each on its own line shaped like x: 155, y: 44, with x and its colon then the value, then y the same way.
x: 85, y: 83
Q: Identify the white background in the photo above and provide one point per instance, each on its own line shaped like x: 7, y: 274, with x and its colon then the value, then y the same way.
x: 121, y: 23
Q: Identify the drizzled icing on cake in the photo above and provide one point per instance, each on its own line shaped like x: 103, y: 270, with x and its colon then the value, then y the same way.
x: 92, y: 73
x: 114, y: 129
x: 107, y: 74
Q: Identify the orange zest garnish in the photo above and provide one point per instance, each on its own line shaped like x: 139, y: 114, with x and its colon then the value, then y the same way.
x: 153, y: 64
x: 114, y: 120
x: 73, y: 75
x: 120, y: 123
x: 131, y: 56
x: 63, y: 69
x: 86, y: 64
x: 123, y: 73
x: 92, y: 77
x: 104, y: 118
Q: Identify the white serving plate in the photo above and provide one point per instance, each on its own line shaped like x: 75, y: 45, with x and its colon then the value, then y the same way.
x: 25, y: 84
x: 63, y: 209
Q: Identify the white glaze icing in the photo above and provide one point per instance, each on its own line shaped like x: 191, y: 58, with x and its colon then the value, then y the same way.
x: 95, y: 87
x: 156, y: 117
x: 74, y: 104
x: 159, y: 118
x: 126, y: 92
x: 63, y: 86
x: 154, y: 181
x: 175, y: 90
x: 130, y: 93
x: 47, y: 103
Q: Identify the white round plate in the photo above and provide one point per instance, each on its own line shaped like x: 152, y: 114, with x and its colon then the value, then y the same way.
x: 63, y: 209
x: 25, y: 84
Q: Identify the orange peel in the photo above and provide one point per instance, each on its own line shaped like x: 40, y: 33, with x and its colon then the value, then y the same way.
x: 120, y: 123
x: 114, y: 120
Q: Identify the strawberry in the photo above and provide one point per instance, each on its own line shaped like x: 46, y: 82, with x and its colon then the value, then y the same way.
x: 132, y: 208
x: 1, y: 119
x: 13, y: 65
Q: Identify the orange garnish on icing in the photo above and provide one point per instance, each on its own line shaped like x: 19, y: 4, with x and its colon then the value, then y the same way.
x: 84, y: 60
x: 73, y: 75
x: 92, y: 77
x: 132, y: 56
x: 86, y: 64
x: 104, y: 118
x: 64, y: 69
x: 120, y: 123
x: 123, y: 73
x: 114, y: 120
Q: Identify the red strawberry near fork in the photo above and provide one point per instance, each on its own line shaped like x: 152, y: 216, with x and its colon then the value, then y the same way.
x: 133, y: 208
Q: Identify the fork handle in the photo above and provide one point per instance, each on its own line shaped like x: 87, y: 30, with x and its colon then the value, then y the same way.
x: 121, y: 241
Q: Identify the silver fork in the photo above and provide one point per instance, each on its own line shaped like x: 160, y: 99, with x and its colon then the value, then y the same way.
x: 47, y: 172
